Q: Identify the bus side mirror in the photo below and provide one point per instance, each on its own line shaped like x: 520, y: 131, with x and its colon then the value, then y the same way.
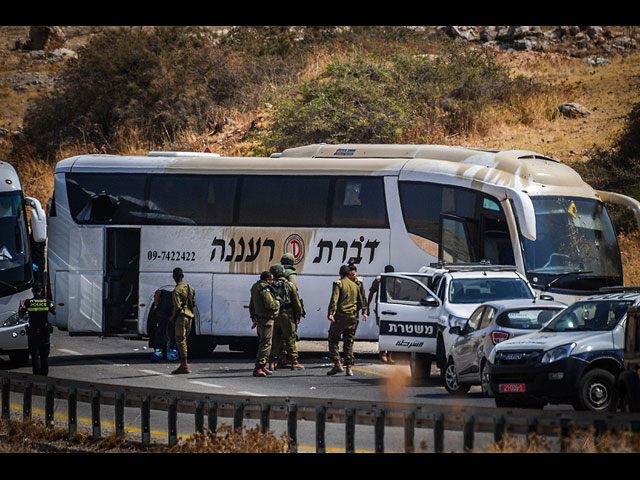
x: 38, y: 220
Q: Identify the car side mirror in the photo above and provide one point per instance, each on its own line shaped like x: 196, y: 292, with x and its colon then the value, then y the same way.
x: 429, y: 302
x: 455, y: 330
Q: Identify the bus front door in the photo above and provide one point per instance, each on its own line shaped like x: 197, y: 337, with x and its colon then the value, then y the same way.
x: 122, y: 264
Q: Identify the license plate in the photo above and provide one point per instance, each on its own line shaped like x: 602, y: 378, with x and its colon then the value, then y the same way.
x: 512, y: 387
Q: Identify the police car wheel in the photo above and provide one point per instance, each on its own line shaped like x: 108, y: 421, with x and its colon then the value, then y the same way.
x: 597, y: 391
x: 450, y: 380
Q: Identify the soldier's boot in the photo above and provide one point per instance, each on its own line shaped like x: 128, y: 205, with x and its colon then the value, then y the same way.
x: 296, y: 365
x: 272, y: 364
x: 383, y: 357
x: 259, y: 372
x: 337, y: 368
x: 349, y: 371
x: 267, y: 370
x: 183, y: 368
x: 282, y: 361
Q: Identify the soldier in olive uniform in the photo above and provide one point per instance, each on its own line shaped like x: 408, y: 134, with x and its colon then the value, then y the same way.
x: 263, y: 309
x: 360, y: 283
x: 288, y: 262
x: 284, y: 329
x: 346, y: 301
x: 184, y: 306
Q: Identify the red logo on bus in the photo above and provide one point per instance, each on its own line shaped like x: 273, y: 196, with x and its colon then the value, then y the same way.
x: 295, y: 246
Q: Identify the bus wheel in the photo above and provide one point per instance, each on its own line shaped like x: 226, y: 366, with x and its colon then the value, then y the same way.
x: 597, y: 391
x: 19, y: 357
x: 420, y: 365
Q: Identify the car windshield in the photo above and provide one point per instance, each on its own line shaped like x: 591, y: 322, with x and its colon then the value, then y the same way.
x: 479, y: 290
x: 527, y: 318
x: 590, y: 315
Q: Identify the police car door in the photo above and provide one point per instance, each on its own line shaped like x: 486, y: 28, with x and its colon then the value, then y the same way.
x: 408, y: 313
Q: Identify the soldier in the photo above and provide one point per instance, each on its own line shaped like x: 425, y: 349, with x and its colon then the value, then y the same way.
x: 263, y: 309
x: 184, y: 305
x: 360, y: 283
x: 385, y: 356
x: 346, y: 301
x: 38, y: 330
x: 284, y: 330
x: 287, y: 261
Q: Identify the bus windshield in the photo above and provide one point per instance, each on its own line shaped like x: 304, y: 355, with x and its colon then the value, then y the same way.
x: 576, y: 246
x: 15, y: 265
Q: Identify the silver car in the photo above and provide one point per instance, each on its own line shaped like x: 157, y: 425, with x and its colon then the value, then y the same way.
x: 491, y: 323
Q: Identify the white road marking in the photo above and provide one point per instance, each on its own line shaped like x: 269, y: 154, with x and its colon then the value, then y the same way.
x: 70, y: 352
x: 205, y: 384
x: 153, y: 372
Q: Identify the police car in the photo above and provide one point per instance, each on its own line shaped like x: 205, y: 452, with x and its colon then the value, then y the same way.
x: 417, y: 310
x: 574, y: 359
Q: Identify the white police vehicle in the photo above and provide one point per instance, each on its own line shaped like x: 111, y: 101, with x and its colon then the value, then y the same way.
x: 417, y: 310
x: 574, y: 359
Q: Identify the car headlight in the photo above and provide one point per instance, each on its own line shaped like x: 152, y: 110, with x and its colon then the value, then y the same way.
x: 456, y: 321
x: 14, y: 320
x: 558, y: 353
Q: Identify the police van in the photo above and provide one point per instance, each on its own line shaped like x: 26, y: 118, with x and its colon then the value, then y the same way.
x: 574, y: 359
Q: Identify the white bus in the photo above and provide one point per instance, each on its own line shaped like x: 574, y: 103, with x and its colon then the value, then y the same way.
x: 16, y: 259
x: 118, y: 226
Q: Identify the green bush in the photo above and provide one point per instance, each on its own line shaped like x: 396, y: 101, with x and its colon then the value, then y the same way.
x: 154, y: 81
x: 385, y: 99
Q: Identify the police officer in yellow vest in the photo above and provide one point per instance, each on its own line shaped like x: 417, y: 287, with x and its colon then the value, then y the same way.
x: 263, y: 309
x: 38, y: 329
x: 184, y: 306
x: 346, y: 301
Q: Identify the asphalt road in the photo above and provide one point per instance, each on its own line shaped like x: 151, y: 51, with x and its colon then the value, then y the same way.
x: 129, y: 363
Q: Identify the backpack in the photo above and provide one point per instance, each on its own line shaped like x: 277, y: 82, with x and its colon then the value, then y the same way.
x: 283, y: 291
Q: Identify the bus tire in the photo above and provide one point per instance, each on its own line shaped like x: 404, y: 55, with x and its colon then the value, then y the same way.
x: 19, y: 357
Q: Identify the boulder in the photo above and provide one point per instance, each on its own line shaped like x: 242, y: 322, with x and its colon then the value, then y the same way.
x: 573, y: 110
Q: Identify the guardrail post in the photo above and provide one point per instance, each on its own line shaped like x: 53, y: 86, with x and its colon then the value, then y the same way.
x: 265, y: 410
x: 321, y: 422
x: 119, y: 414
x: 145, y: 417
x: 498, y: 428
x: 409, y: 431
x: 350, y: 430
x: 532, y: 428
x: 6, y: 389
x: 565, y: 432
x: 292, y: 426
x: 199, y: 416
x: 438, y: 433
x: 26, y: 402
x: 238, y: 413
x: 72, y: 407
x: 95, y: 414
x: 212, y: 413
x: 48, y: 405
x: 173, y: 421
x: 379, y: 431
x: 468, y: 433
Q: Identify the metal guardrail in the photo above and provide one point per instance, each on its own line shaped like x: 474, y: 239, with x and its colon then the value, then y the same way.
x: 439, y: 418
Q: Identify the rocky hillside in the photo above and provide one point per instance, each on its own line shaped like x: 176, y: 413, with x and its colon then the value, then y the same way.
x: 596, y: 70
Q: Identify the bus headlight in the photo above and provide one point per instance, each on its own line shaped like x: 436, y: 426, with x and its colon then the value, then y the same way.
x: 13, y: 319
x: 558, y: 353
